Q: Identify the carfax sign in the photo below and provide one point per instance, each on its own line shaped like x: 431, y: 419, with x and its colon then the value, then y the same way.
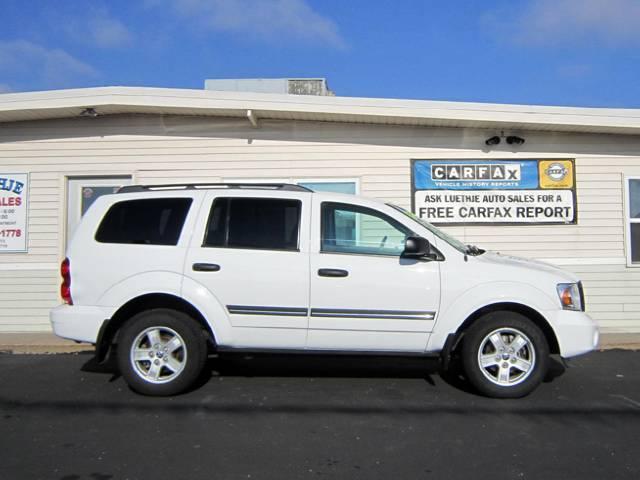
x: 494, y: 191
x: 13, y: 212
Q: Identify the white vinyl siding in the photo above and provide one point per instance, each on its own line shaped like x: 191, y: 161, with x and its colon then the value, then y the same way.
x: 26, y: 297
x: 154, y: 149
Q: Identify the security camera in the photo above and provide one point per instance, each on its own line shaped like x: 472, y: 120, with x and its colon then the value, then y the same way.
x: 89, y: 112
x: 495, y: 140
x: 513, y: 140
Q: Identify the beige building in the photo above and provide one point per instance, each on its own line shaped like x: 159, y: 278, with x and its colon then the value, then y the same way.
x: 59, y: 150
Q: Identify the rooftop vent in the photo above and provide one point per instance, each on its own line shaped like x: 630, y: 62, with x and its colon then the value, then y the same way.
x: 292, y: 86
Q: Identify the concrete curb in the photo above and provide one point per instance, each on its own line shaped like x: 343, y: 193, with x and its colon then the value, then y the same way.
x: 39, y: 343
x: 625, y: 341
x: 48, y: 343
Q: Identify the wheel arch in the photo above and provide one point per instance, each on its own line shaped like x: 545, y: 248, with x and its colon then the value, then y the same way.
x: 109, y: 333
x: 536, y: 317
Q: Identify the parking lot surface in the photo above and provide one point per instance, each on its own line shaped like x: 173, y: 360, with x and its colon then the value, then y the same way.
x: 281, y: 417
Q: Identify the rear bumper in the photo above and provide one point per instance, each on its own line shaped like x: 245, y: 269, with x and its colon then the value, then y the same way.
x: 576, y: 332
x: 80, y: 323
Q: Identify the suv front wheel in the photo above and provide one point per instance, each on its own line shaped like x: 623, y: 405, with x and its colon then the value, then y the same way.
x: 161, y: 352
x: 505, y: 355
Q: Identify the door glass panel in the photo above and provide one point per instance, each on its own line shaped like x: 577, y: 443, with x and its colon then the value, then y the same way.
x: 90, y: 194
x: 635, y: 242
x: 353, y: 229
x: 82, y: 192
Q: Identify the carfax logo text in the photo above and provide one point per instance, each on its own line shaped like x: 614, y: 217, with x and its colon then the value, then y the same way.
x: 470, y: 172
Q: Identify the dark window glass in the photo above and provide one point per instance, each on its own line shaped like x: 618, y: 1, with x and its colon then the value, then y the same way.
x: 354, y: 229
x: 634, y: 198
x: 262, y: 223
x: 635, y: 242
x: 634, y: 219
x: 155, y: 221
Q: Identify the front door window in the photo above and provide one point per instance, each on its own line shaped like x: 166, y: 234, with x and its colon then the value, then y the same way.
x: 360, y: 230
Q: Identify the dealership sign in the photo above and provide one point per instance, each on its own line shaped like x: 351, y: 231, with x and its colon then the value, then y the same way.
x: 13, y: 212
x: 495, y: 191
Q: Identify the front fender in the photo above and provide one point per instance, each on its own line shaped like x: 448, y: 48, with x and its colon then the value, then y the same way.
x: 457, y: 309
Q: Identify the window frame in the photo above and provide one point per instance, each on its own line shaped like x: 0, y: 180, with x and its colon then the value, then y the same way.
x: 629, y: 220
x: 231, y: 197
x: 364, y: 210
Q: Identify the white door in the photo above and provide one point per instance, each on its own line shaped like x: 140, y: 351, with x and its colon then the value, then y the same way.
x: 250, y: 255
x: 83, y: 191
x: 364, y: 295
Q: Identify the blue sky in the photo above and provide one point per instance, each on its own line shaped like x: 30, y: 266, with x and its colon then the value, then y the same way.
x: 556, y: 52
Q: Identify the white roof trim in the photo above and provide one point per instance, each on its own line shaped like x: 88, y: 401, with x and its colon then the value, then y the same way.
x: 117, y: 100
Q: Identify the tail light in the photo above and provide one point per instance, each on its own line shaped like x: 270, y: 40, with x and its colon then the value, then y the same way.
x: 65, y: 288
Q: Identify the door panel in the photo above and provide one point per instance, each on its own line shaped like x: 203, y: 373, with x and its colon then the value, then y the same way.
x: 264, y: 290
x: 384, y: 302
x: 261, y: 289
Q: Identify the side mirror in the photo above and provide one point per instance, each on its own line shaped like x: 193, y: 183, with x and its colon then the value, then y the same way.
x: 416, y: 247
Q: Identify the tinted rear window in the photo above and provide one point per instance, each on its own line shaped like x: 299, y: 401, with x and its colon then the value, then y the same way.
x: 261, y: 223
x: 156, y: 221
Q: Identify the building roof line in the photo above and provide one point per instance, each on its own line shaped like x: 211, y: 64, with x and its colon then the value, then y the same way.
x: 146, y: 100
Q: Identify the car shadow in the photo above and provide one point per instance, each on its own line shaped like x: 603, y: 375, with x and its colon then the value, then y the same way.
x: 326, y: 366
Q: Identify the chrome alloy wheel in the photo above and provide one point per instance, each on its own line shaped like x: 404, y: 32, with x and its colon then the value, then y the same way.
x: 506, y: 357
x: 158, y: 354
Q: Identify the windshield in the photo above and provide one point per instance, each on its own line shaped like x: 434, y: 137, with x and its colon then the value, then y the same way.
x: 454, y: 242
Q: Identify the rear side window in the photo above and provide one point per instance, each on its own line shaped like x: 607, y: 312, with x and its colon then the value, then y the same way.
x: 156, y: 221
x: 256, y: 223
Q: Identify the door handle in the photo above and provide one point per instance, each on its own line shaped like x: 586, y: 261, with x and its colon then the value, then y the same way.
x: 205, y: 267
x: 332, y: 272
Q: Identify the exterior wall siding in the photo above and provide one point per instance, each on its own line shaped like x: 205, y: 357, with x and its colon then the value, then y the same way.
x: 157, y: 149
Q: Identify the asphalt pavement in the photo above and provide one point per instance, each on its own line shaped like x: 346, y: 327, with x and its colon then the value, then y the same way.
x: 286, y: 417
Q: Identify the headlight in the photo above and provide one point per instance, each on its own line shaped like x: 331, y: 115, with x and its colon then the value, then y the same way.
x: 570, y: 296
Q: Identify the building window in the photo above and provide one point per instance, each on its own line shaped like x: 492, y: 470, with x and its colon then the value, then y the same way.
x: 335, y: 185
x: 338, y: 186
x: 633, y: 220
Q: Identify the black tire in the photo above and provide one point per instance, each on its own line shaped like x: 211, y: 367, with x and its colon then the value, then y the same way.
x: 177, y: 370
x: 505, y: 379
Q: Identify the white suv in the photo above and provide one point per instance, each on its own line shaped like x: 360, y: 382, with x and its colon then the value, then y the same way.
x: 165, y: 275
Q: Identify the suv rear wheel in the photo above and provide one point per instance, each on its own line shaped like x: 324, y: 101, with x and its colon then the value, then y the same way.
x: 161, y: 352
x: 505, y: 355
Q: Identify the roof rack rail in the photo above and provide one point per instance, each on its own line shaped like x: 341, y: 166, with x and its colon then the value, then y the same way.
x: 288, y: 187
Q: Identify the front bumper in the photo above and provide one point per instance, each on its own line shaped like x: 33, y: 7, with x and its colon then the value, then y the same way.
x: 576, y: 332
x: 79, y: 323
